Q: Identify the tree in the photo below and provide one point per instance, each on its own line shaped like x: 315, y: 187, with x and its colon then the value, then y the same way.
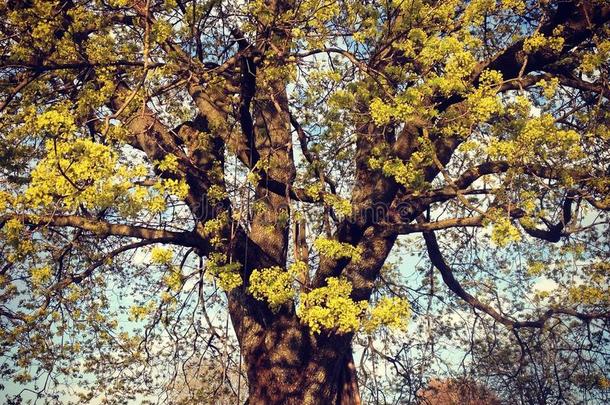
x: 457, y: 392
x: 278, y: 150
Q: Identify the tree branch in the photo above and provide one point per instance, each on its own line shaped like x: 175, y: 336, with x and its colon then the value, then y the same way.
x: 454, y: 285
x: 578, y: 19
x: 104, y: 228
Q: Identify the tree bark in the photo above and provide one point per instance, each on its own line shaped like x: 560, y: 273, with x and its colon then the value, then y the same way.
x: 287, y: 365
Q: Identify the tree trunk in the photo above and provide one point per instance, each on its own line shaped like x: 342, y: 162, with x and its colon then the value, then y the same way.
x: 287, y: 365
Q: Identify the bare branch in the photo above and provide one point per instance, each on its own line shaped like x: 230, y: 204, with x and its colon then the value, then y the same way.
x: 454, y: 285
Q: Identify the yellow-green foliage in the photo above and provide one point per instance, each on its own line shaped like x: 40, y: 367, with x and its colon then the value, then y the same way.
x: 56, y: 121
x: 483, y: 102
x: 337, y: 250
x: 331, y: 308
x: 168, y: 164
x: 504, y: 232
x: 549, y: 87
x: 228, y: 277
x: 41, y: 275
x: 82, y: 172
x: 406, y: 174
x: 173, y: 279
x: 216, y: 193
x: 76, y: 172
x: 161, y: 255
x: 227, y: 274
x: 538, y: 41
x: 589, y: 295
x: 314, y: 190
x: 340, y: 205
x: 298, y: 269
x: 535, y: 268
x: 405, y: 108
x: 13, y: 232
x: 140, y: 312
x: 538, y: 138
x: 213, y: 229
x: 273, y: 285
x: 392, y: 312
x: 594, y: 60
x: 595, y: 287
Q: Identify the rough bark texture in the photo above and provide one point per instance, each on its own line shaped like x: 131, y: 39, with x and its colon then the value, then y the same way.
x: 287, y: 365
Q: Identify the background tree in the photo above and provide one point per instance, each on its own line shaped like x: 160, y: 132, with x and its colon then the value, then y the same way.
x: 457, y: 392
x: 156, y: 151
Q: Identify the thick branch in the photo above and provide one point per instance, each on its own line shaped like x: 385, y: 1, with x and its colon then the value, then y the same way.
x: 104, y: 228
x: 578, y: 19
